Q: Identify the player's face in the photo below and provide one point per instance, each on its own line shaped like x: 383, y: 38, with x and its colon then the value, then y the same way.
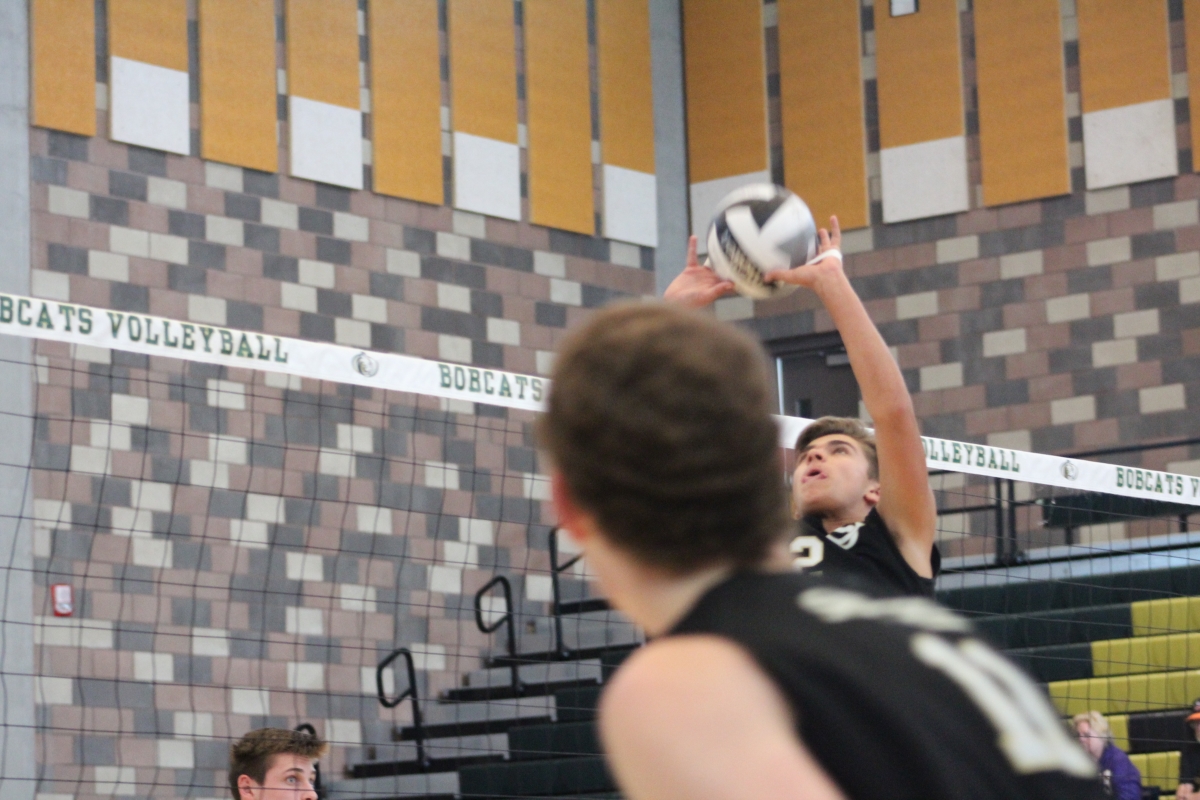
x: 1091, y: 741
x: 289, y: 777
x: 831, y: 476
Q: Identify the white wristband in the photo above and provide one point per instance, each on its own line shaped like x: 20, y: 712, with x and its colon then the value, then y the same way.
x: 833, y: 251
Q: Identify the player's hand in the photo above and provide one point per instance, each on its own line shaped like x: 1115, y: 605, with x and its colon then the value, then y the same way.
x: 697, y: 286
x: 807, y: 274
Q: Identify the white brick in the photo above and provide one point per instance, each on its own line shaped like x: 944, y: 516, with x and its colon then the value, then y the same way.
x: 156, y: 553
x: 226, y: 394
x: 941, y: 376
x: 280, y: 214
x: 535, y: 487
x: 279, y: 380
x: 357, y: 598
x: 440, y: 475
x: 1070, y: 307
x: 335, y: 462
x: 132, y: 522
x: 116, y: 781
x: 58, y: 512
x: 1104, y: 201
x: 129, y: 409
x: 202, y: 308
x: 1004, y: 343
x: 154, y: 667
x: 50, y: 285
x: 94, y: 460
x: 731, y: 309
x: 93, y: 634
x: 1073, y: 409
x: 49, y: 691
x: 297, y: 297
x: 226, y: 449
x: 250, y: 702
x: 304, y: 621
x: 128, y: 241
x: 476, y: 531
x: 921, y: 304
x: 265, y: 508
x: 1154, y: 399
x: 197, y: 724
x: 1176, y: 215
x: 247, y: 533
x: 539, y: 588
x: 569, y: 293
x: 451, y: 245
x: 368, y: 308
x: 544, y: 361
x: 627, y: 255
x: 455, y: 298
x: 503, y: 331
x: 223, y: 176
x: 1177, y: 266
x: 1136, y: 323
x: 107, y: 436
x: 460, y: 554
x: 1108, y: 251
x: 303, y: 676
x: 356, y: 438
x: 352, y: 332
x: 344, y: 732
x: 428, y: 656
x: 69, y: 202
x: 208, y: 473
x: 166, y: 192
x: 224, y: 230
x: 372, y: 519
x: 92, y: 355
x: 1185, y: 467
x: 550, y: 264
x: 962, y: 248
x: 467, y: 224
x: 454, y: 348
x: 404, y: 262
x: 1012, y: 440
x: 1020, y: 265
x: 1189, y: 290
x: 165, y: 247
x: 351, y: 226
x: 316, y: 273
x: 109, y: 266
x: 446, y: 580
x: 367, y: 680
x: 151, y: 495
x: 859, y: 241
x: 1109, y: 354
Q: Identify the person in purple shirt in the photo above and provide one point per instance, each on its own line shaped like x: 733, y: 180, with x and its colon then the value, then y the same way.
x: 1121, y: 778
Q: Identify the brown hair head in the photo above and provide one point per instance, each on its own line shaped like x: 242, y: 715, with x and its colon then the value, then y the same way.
x: 847, y: 426
x: 252, y: 754
x: 659, y: 420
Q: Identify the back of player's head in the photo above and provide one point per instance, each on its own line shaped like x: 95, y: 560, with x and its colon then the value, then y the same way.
x: 659, y: 419
x: 847, y: 426
x: 252, y: 754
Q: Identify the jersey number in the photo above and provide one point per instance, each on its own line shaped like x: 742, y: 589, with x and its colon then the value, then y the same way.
x: 807, y: 551
x: 1030, y: 735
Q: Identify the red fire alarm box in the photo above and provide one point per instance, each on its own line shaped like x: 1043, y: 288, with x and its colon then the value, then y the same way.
x: 63, y: 597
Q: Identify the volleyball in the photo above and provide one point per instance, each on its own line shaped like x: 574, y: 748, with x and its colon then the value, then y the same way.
x: 756, y: 229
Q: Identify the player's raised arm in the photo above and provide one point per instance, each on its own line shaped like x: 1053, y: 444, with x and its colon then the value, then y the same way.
x: 697, y: 286
x: 905, y: 500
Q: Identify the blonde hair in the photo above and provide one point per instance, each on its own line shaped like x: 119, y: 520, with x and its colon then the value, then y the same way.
x: 1097, y: 723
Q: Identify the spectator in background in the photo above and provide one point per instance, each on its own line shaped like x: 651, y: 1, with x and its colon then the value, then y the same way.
x: 1189, y: 758
x: 1121, y: 778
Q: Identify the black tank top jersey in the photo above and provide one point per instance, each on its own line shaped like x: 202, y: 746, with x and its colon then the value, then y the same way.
x: 860, y: 551
x: 894, y: 697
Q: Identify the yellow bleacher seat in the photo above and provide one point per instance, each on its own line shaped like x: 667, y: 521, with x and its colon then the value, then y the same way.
x: 1175, y: 614
x: 1158, y: 769
x: 1122, y: 694
x: 1146, y: 654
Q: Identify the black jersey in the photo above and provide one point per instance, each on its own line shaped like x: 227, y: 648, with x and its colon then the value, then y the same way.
x: 1189, y: 763
x: 862, y: 550
x: 894, y: 697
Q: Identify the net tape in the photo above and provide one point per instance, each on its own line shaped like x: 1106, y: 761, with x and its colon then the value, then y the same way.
x: 146, y: 334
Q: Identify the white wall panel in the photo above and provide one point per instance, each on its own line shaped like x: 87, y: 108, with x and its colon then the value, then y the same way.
x: 924, y: 179
x: 1129, y: 144
x: 326, y: 142
x: 630, y: 206
x: 487, y: 176
x: 149, y: 106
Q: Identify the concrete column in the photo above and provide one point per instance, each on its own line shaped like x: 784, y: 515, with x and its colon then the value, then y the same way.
x: 18, y: 768
x: 670, y: 140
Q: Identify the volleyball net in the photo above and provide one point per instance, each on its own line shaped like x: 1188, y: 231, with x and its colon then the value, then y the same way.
x: 224, y: 530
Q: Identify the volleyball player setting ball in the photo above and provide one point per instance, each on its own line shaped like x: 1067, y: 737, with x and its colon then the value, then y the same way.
x: 862, y: 498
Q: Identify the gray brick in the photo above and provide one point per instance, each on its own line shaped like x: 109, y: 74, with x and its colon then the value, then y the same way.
x: 999, y: 293
x: 127, y: 297
x: 335, y: 251
x: 487, y: 304
x: 443, y: 320
x: 52, y: 456
x: 316, y: 327
x: 916, y: 232
x: 1152, y: 193
x: 247, y: 316
x: 1153, y: 348
x: 1094, y: 381
x: 1065, y: 207
x: 192, y: 280
x: 111, y: 491
x: 89, y: 404
x: 389, y: 286
x: 127, y: 185
x: 224, y: 503
x: 147, y: 162
x: 194, y: 556
x: 1053, y: 439
x: 333, y: 197
x: 551, y: 315
x: 62, y: 258
x: 193, y: 670
x: 574, y: 244
x: 487, y: 354
x: 420, y: 241
x: 69, y: 146
x: 263, y: 184
x: 283, y: 268
x: 1116, y: 404
x: 1148, y: 245
x: 241, y: 206
x: 182, y: 223
x: 387, y: 338
x: 95, y: 751
x: 206, y: 254
x: 1089, y: 279
x: 1087, y: 331
x: 48, y: 170
x: 315, y: 220
x: 501, y: 255
x: 170, y: 470
x: 321, y: 487
x: 335, y: 304
x: 261, y: 237
x: 115, y: 694
x: 1017, y: 240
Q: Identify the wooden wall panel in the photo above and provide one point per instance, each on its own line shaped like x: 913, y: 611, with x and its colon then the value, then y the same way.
x: 626, y: 86
x: 63, y: 65
x: 1022, y: 113
x: 919, y: 74
x: 726, y: 88
x: 821, y: 99
x: 1124, y: 53
x: 406, y: 99
x: 322, y: 51
x: 483, y: 68
x: 1191, y: 23
x: 559, y: 115
x: 150, y: 31
x: 238, y: 106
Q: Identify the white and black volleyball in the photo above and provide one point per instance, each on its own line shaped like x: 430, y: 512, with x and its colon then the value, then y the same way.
x: 756, y: 229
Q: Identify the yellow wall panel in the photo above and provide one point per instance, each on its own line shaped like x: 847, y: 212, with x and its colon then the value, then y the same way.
x: 559, y: 115
x: 63, y: 63
x: 1191, y: 23
x: 150, y: 31
x: 483, y: 68
x: 1123, y: 53
x: 1022, y: 114
x: 406, y: 99
x: 626, y: 89
x: 1152, y: 617
x: 726, y: 88
x: 237, y: 83
x: 824, y: 147
x: 322, y: 51
x: 919, y: 74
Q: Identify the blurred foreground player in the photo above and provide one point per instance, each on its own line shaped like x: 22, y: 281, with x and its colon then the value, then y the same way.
x: 760, y: 682
x: 275, y: 764
x: 864, y: 500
